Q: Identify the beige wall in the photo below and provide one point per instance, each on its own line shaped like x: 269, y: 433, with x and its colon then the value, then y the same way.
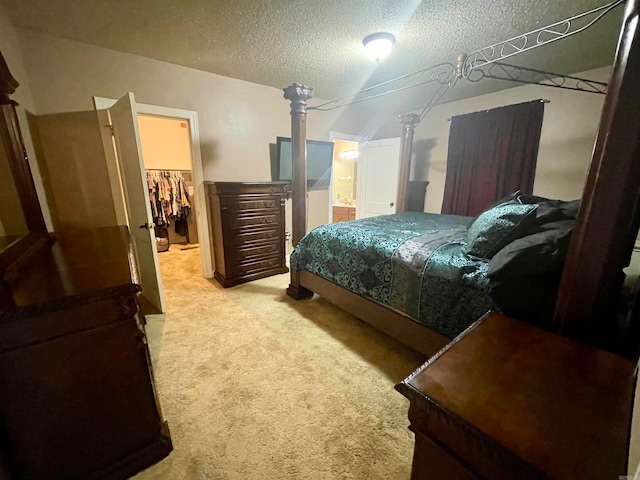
x: 568, y: 133
x: 165, y: 143
x: 11, y: 51
x: 237, y: 119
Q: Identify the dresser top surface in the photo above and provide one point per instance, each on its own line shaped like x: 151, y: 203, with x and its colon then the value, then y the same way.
x: 76, y: 262
x: 249, y: 184
x: 248, y: 188
x: 561, y: 406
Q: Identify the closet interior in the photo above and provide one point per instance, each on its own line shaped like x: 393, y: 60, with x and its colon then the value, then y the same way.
x: 166, y: 149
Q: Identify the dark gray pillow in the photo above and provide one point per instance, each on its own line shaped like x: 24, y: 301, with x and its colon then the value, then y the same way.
x: 550, y: 210
x: 571, y: 208
x: 530, y: 198
x: 498, y: 226
x: 511, y: 198
x: 540, y: 253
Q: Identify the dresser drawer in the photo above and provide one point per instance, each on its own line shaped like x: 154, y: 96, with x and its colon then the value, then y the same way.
x: 243, y: 204
x: 258, y: 250
x: 251, y: 221
x: 253, y: 235
x: 252, y: 265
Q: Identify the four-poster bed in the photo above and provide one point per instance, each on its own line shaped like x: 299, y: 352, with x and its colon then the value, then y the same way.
x: 607, y: 223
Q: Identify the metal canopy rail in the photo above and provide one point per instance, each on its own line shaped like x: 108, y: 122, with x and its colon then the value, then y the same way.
x: 513, y: 73
x: 443, y: 74
x: 535, y: 38
x: 485, y: 63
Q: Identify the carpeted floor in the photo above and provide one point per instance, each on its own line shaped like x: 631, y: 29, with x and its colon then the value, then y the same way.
x: 255, y: 385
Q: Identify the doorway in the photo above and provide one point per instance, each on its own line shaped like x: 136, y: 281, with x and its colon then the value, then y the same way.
x: 200, y: 199
x: 344, y: 173
x: 374, y: 177
x: 344, y: 191
x: 187, y: 120
x: 166, y: 152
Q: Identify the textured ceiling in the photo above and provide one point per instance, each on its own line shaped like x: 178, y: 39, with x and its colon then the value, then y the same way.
x: 318, y: 42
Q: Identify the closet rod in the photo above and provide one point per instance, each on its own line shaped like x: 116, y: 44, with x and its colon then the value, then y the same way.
x: 165, y: 170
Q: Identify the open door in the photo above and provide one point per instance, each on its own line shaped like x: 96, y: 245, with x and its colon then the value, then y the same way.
x: 378, y: 177
x: 124, y: 120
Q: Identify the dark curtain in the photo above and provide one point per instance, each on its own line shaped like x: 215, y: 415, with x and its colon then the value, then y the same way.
x: 491, y: 154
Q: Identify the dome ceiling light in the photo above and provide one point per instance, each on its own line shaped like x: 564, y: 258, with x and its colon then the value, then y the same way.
x: 378, y: 45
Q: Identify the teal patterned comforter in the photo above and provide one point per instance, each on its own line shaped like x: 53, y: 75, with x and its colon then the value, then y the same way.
x: 412, y: 262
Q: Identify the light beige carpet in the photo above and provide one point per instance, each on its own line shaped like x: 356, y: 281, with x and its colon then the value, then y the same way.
x: 255, y: 385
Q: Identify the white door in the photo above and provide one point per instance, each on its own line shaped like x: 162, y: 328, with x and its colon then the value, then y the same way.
x: 124, y: 119
x: 378, y: 177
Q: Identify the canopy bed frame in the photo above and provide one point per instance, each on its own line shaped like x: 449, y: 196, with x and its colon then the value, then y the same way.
x: 608, y: 219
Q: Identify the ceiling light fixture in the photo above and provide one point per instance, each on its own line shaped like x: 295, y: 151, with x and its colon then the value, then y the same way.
x: 378, y: 45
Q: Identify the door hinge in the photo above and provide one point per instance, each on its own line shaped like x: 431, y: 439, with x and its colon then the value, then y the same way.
x: 110, y: 127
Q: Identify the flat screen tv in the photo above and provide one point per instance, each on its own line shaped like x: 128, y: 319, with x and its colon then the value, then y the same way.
x: 319, y: 162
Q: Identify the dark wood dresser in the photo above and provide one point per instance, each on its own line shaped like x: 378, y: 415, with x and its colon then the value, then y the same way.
x: 506, y: 400
x: 248, y: 229
x: 77, y: 397
x: 76, y: 390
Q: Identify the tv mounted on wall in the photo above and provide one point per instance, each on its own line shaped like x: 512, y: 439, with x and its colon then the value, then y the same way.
x: 319, y: 162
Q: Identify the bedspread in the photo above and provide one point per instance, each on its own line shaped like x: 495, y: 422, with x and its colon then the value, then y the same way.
x: 412, y: 262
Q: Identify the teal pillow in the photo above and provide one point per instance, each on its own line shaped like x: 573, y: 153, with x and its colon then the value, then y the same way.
x: 496, y: 227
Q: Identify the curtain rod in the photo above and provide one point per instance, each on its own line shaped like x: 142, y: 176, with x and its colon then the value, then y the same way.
x: 541, y: 100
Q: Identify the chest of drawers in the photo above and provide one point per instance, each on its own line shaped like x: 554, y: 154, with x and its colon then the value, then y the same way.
x: 248, y: 229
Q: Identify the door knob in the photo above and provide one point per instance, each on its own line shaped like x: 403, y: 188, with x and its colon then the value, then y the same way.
x: 391, y: 204
x: 147, y: 225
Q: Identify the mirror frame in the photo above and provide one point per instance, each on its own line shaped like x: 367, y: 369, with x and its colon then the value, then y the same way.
x: 14, y: 254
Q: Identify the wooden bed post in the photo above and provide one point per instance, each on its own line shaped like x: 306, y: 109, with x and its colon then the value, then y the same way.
x: 298, y: 95
x: 607, y: 223
x: 409, y: 122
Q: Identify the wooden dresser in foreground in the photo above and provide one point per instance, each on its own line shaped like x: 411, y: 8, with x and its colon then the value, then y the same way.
x: 248, y: 229
x: 506, y: 400
x: 77, y: 397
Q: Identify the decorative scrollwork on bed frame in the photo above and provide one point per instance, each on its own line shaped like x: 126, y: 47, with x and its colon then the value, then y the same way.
x: 534, y: 39
x: 486, y: 63
x: 443, y: 74
x: 514, y: 73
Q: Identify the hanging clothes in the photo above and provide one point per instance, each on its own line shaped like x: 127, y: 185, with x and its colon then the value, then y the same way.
x: 169, y: 200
